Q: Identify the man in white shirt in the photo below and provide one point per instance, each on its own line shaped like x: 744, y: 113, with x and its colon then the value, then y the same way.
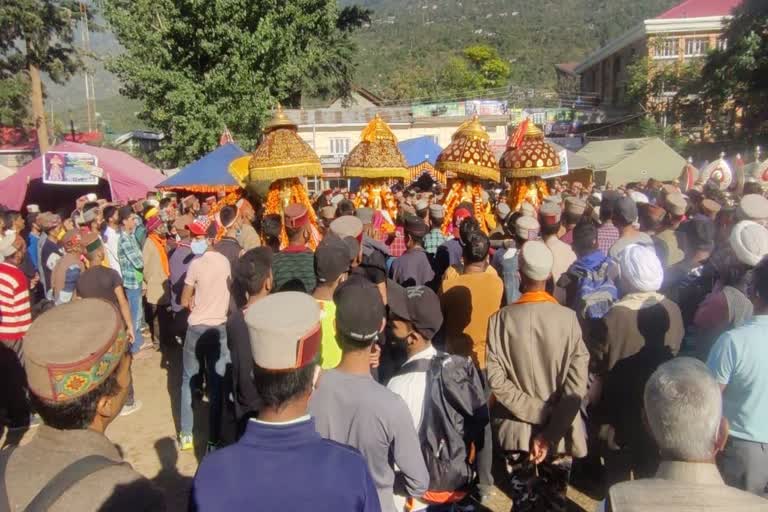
x: 111, y: 237
x: 416, y: 317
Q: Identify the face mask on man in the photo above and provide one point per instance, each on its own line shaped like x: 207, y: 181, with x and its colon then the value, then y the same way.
x: 198, y: 246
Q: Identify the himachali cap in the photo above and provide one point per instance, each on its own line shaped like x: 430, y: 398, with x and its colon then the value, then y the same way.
x: 296, y: 216
x: 422, y: 205
x: 33, y: 208
x: 468, y: 154
x: 89, y: 343
x: 638, y: 197
x: 710, y: 207
x: 436, y: 211
x: 753, y: 207
x: 527, y: 228
x: 7, y: 246
x: 527, y: 209
x: 359, y: 310
x: 154, y: 223
x: 199, y: 226
x: 550, y: 213
x: 536, y: 260
x: 365, y: 215
x: 749, y: 241
x: 460, y: 214
x: 654, y: 212
x: 417, y: 305
x: 72, y: 239
x: 377, y: 155
x: 347, y: 226
x: 285, y: 331
x: 328, y: 212
x: 90, y: 214
x: 503, y: 210
x: 575, y: 206
x: 189, y: 201
x: 92, y: 242
x: 676, y: 204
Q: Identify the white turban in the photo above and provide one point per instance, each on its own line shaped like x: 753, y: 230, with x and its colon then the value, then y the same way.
x: 749, y: 241
x: 641, y: 268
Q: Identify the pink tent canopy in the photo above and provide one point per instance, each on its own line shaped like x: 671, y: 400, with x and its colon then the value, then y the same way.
x: 125, y: 176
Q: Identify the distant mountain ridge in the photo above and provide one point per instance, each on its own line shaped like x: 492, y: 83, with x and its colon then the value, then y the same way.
x: 416, y: 36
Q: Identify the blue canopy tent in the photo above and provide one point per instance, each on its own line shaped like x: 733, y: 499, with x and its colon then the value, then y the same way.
x: 209, y: 174
x: 421, y: 154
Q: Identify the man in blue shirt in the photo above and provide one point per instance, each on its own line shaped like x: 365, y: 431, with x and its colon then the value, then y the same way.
x: 281, y: 462
x: 739, y: 362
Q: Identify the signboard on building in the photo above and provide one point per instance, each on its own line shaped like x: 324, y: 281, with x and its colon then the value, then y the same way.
x: 446, y: 109
x: 486, y: 108
x: 69, y: 168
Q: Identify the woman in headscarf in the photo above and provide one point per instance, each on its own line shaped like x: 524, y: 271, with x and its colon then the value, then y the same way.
x: 728, y: 305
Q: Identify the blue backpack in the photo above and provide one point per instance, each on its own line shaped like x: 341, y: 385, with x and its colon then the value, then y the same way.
x: 595, y: 290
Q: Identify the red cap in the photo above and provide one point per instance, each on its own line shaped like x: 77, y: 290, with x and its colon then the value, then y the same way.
x: 461, y: 214
x: 199, y: 226
x: 296, y: 216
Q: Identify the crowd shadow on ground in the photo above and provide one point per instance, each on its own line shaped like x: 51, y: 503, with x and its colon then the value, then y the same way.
x: 173, y: 485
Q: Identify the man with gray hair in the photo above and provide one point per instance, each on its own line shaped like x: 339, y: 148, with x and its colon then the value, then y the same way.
x: 683, y: 408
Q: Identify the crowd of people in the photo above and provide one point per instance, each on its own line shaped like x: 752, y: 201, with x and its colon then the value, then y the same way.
x: 613, y: 335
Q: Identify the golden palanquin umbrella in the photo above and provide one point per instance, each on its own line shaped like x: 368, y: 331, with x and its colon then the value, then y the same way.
x: 471, y: 160
x: 377, y: 160
x: 282, y: 158
x: 527, y: 158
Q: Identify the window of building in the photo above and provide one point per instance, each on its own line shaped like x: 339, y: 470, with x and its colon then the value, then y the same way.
x: 340, y: 146
x: 722, y: 44
x: 666, y: 49
x: 696, y: 47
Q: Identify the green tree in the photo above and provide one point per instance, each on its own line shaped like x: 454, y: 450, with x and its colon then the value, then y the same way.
x: 738, y: 74
x: 14, y: 99
x: 199, y: 66
x: 37, y: 36
x: 486, y: 63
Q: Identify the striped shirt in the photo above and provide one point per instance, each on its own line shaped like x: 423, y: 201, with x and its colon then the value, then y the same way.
x: 15, y: 309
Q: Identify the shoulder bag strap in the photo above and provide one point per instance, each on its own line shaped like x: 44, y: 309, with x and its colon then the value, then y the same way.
x: 420, y: 365
x: 66, y: 478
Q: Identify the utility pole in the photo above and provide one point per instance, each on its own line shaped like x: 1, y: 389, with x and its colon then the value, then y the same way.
x: 90, y: 93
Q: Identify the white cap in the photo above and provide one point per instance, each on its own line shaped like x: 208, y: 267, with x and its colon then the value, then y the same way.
x: 6, y: 245
x: 33, y: 208
x: 536, y: 260
x: 749, y: 241
x: 91, y: 197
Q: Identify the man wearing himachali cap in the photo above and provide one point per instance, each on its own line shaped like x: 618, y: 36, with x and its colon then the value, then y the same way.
x: 293, y: 267
x: 538, y: 383
x: 281, y: 462
x: 78, y: 386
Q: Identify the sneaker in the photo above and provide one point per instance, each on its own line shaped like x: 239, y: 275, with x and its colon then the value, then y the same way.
x: 186, y: 442
x: 132, y: 408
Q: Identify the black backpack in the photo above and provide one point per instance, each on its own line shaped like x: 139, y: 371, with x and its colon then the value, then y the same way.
x: 455, y: 416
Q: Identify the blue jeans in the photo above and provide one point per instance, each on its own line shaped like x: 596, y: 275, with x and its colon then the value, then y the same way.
x: 209, y: 344
x: 135, y: 304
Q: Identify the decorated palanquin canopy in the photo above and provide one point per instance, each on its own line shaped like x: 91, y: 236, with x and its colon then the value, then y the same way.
x: 718, y: 173
x: 377, y: 155
x: 533, y: 157
x: 281, y: 155
x: 468, y: 154
x: 688, y: 176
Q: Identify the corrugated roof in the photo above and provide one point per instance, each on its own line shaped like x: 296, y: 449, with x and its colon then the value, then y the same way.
x: 700, y: 9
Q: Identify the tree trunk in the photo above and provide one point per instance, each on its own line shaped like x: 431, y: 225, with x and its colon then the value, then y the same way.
x: 38, y: 108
